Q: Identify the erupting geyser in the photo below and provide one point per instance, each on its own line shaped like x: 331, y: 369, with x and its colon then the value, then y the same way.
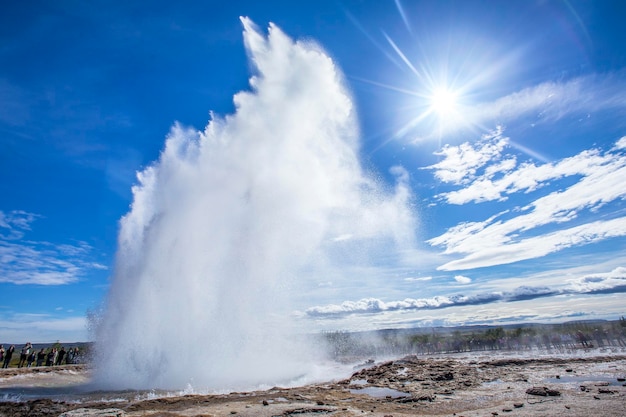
x: 228, y: 221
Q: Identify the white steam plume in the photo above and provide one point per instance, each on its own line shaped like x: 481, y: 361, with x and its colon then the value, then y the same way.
x: 227, y: 221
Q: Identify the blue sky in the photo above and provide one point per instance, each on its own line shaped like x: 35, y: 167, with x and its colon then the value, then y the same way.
x: 497, y: 129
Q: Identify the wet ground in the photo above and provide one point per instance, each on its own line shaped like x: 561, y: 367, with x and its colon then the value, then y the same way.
x: 427, y: 386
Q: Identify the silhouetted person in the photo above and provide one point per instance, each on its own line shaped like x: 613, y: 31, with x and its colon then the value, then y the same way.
x: 31, y: 358
x: 50, y: 357
x: 24, y: 354
x: 41, y: 357
x: 75, y: 355
x: 7, y: 356
x: 61, y: 356
x: 582, y: 338
x: 69, y: 357
x: 1, y: 355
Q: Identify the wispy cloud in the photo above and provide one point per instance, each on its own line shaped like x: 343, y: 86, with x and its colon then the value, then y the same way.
x: 484, y: 172
x: 43, y: 328
x: 462, y: 279
x: 36, y: 262
x: 550, y: 101
x: 460, y: 164
x: 599, y: 283
x: 489, y: 254
x: 15, y: 223
x: 418, y: 279
x: 547, y: 102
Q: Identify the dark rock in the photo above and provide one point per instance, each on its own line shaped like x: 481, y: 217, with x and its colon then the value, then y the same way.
x: 92, y: 412
x: 606, y: 391
x: 405, y: 400
x: 448, y: 376
x: 543, y: 391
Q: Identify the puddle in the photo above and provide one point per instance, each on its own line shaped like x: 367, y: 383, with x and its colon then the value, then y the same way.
x: 378, y: 392
x: 359, y: 382
x: 578, y: 379
x: 492, y: 383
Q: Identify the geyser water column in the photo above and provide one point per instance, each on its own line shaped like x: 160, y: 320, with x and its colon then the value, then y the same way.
x: 228, y: 220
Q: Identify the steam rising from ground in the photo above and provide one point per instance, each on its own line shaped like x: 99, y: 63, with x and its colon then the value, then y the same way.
x: 229, y: 221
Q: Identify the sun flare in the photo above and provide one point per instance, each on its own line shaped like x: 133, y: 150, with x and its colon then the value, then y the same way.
x: 443, y: 101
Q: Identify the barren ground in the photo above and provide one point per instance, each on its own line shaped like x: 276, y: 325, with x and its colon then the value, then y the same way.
x: 409, y: 386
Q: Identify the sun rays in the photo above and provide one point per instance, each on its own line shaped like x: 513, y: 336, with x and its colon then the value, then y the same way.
x: 443, y: 102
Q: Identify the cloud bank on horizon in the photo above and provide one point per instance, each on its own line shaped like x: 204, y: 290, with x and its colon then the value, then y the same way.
x: 611, y: 282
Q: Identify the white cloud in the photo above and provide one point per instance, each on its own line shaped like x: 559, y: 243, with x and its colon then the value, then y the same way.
x: 460, y: 163
x: 462, y: 279
x: 342, y: 238
x: 525, y: 177
x: 40, y: 263
x: 418, y: 279
x: 499, y: 240
x: 537, y: 310
x: 43, y: 328
x: 550, y: 101
x: 374, y: 305
x: 16, y: 223
x: 543, y: 103
x: 488, y: 254
x: 597, y: 283
x: 601, y: 282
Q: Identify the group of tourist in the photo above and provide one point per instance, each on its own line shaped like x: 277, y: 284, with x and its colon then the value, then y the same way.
x: 29, y: 356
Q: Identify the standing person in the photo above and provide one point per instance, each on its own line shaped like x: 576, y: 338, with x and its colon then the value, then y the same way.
x: 76, y: 355
x: 41, y: 356
x: 7, y: 356
x: 50, y: 357
x: 69, y: 358
x: 24, y: 355
x: 31, y: 358
x: 1, y: 354
x: 61, y: 356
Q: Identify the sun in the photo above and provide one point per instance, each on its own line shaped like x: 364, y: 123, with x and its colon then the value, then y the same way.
x: 445, y: 85
x: 443, y: 102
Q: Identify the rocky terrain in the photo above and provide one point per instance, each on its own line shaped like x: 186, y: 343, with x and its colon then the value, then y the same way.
x: 408, y: 386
